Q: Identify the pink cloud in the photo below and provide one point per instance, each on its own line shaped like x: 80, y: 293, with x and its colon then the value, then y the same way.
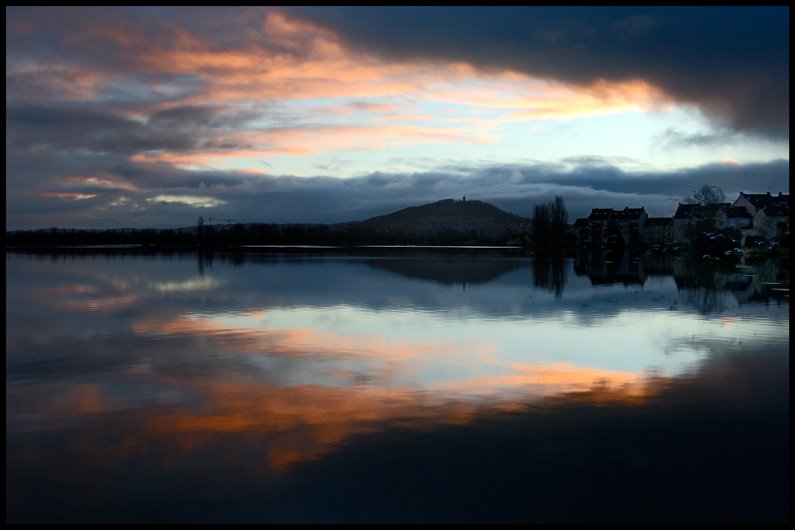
x: 67, y: 196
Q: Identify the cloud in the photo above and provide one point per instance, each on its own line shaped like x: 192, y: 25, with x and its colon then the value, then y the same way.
x: 161, y: 86
x: 108, y: 109
x: 731, y: 62
x: 167, y: 196
x: 672, y: 139
x: 190, y: 200
x: 67, y: 196
x: 85, y: 128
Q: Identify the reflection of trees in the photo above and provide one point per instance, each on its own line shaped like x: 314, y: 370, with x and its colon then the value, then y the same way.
x: 204, y: 259
x: 700, y: 274
x: 705, y: 300
x: 550, y: 273
x: 759, y: 281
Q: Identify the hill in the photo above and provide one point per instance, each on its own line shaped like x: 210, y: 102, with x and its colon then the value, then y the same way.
x: 448, y: 213
x: 444, y: 222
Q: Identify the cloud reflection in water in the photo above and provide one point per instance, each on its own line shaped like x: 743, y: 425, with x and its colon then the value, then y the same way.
x: 284, y: 362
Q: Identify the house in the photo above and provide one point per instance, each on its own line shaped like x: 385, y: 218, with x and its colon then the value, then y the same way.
x: 753, y: 202
x: 658, y: 230
x: 606, y: 226
x: 770, y: 214
x: 599, y: 226
x: 736, y: 217
x: 704, y: 216
x: 685, y: 218
x: 772, y: 222
x: 630, y: 223
x: 580, y: 230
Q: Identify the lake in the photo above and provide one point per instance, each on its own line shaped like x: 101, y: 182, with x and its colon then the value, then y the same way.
x: 394, y: 385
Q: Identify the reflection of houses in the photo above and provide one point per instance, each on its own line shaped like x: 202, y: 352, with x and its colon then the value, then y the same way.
x: 658, y: 264
x: 760, y: 284
x: 608, y: 268
x: 742, y: 287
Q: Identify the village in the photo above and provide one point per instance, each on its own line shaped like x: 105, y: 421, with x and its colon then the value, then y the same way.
x: 754, y: 222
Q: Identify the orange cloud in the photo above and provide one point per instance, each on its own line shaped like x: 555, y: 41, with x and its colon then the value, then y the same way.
x: 64, y: 81
x: 103, y: 304
x: 254, y: 171
x: 549, y: 379
x: 285, y: 425
x: 301, y: 61
x: 526, y: 99
x: 303, y: 422
x: 100, y: 180
x: 290, y: 424
x: 67, y: 290
x: 320, y: 139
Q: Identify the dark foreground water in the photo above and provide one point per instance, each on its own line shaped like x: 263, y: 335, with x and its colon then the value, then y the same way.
x: 394, y: 386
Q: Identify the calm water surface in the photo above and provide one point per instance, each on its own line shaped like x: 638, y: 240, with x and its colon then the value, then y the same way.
x: 394, y: 386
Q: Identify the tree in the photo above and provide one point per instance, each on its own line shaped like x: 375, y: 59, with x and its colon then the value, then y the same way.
x: 706, y: 194
x: 549, y: 223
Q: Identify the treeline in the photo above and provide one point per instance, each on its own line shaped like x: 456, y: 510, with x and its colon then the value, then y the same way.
x: 57, y: 237
x: 548, y: 232
x: 204, y: 236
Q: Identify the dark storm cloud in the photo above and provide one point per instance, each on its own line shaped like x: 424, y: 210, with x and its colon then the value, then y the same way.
x: 516, y: 188
x: 97, y: 34
x: 102, y: 129
x: 672, y: 139
x: 71, y: 128
x: 733, y: 62
x: 189, y: 116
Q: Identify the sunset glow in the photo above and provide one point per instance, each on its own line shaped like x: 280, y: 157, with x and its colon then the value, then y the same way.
x: 232, y: 105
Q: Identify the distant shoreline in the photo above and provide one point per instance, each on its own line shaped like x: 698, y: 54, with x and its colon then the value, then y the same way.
x: 253, y: 247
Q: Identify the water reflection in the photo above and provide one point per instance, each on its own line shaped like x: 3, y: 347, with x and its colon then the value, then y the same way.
x: 610, y: 266
x: 164, y: 386
x: 449, y: 269
x: 550, y: 273
x: 706, y: 283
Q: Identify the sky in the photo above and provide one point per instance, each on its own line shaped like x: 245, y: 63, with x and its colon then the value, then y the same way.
x: 151, y: 117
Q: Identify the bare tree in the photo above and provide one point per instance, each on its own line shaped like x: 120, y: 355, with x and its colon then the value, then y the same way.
x: 549, y: 223
x: 706, y: 194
